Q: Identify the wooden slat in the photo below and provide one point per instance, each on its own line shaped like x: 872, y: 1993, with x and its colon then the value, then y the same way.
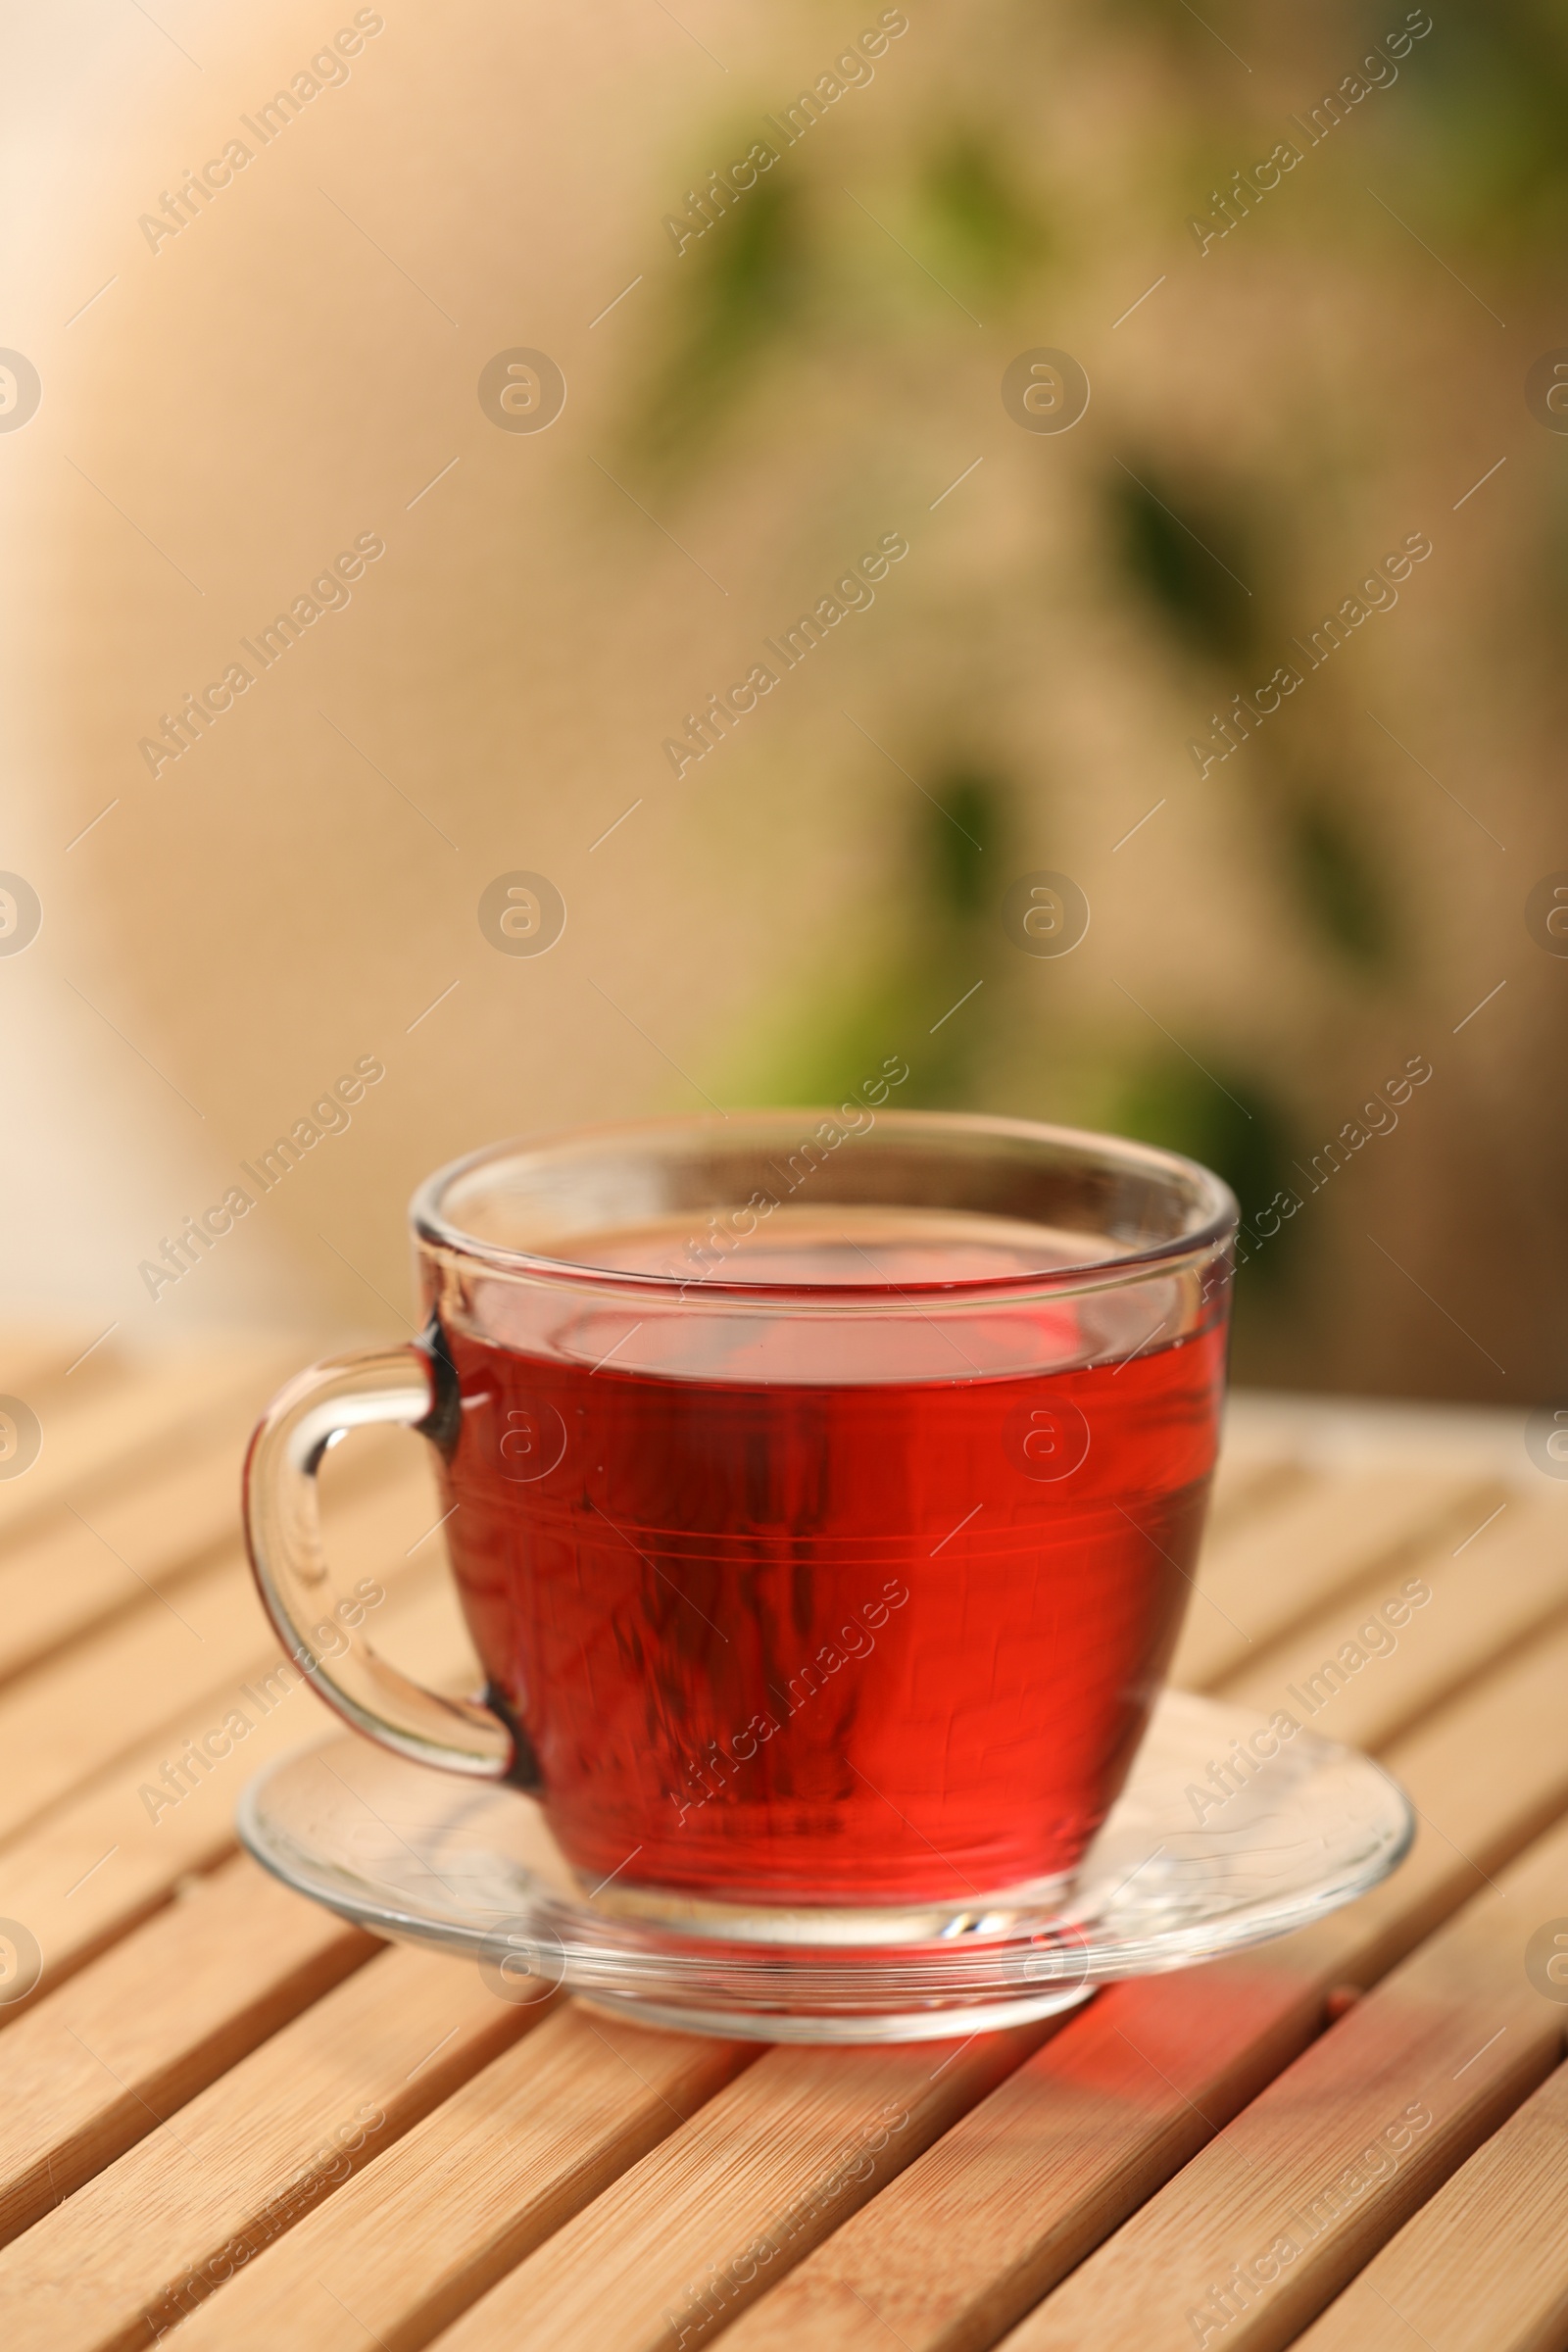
x: 74, y: 1574
x: 1343, y: 1432
x: 98, y: 1557
x: 1501, y: 1585
x: 97, y: 2065
x: 703, y: 2223
x: 952, y: 2252
x: 1482, y: 2267
x: 561, y: 2191
x: 1246, y: 1483
x: 139, y: 2244
x: 1279, y: 1569
x: 89, y: 1444
x: 71, y: 1717
x: 1334, y: 2155
x: 960, y: 2246
x: 70, y: 1370
x: 417, y: 2237
x: 99, y: 1862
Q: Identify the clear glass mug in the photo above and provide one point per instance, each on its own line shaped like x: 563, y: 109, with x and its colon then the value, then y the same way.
x: 825, y: 1491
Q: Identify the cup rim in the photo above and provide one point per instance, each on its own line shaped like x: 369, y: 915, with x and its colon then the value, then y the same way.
x: 433, y: 1227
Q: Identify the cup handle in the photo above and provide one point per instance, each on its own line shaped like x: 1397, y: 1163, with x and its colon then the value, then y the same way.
x: 403, y: 1385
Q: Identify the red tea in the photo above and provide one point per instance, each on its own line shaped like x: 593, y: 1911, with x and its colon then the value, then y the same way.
x: 785, y: 1638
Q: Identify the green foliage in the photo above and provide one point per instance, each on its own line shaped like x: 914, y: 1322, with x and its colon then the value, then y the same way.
x: 954, y: 942
x: 943, y: 889
x: 837, y: 1037
x: 1231, y: 1123
x: 1186, y: 557
x: 962, y: 839
x: 1336, y: 886
x: 767, y: 270
x: 745, y: 282
x: 986, y: 228
x: 1492, y: 100
x: 1475, y: 137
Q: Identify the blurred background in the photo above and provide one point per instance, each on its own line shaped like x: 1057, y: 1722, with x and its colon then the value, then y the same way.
x: 1203, y: 366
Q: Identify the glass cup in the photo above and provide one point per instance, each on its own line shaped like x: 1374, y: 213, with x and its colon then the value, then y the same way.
x: 825, y: 1491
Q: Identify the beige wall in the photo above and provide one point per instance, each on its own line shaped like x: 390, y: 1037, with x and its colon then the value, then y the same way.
x: 300, y: 886
x: 253, y: 395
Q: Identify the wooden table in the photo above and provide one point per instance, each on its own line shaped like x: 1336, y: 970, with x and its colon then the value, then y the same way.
x: 220, y: 2101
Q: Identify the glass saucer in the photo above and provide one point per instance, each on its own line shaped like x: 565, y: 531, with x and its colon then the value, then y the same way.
x: 427, y: 1859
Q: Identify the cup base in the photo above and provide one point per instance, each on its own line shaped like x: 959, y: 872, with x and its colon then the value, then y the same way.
x: 824, y: 1926
x: 890, y: 2026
